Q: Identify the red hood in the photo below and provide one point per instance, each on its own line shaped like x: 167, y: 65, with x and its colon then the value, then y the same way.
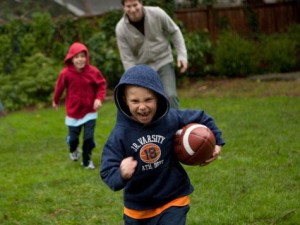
x: 74, y: 49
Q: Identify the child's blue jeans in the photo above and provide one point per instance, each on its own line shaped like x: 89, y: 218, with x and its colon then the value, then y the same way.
x: 88, y: 139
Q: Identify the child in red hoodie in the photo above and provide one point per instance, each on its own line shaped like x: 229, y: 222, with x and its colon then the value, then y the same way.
x: 85, y: 91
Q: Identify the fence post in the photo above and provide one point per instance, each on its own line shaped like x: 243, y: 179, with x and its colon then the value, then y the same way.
x: 211, y: 23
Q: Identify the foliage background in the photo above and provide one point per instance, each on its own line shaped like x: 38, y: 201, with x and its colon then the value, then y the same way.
x: 32, y: 49
x: 256, y: 180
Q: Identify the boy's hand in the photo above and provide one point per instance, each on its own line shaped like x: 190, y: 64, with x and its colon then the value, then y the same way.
x: 55, y: 105
x: 215, y: 155
x: 97, y: 104
x: 127, y: 167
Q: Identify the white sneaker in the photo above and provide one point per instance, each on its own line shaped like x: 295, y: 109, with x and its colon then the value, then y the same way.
x: 90, y: 166
x: 75, y: 155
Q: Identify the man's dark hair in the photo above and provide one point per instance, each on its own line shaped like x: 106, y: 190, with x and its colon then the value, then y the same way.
x: 123, y: 1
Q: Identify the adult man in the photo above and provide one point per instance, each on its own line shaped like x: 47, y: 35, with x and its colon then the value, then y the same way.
x: 143, y: 36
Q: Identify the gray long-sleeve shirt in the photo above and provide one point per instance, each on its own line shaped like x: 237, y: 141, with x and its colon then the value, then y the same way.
x: 153, y: 48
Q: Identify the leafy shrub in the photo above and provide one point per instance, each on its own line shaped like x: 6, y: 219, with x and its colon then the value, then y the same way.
x: 31, y: 84
x: 20, y: 39
x: 234, y: 56
x: 42, y: 29
x: 6, y: 62
x: 104, y: 50
x: 199, y: 48
x: 108, y: 22
x: 28, y: 45
x: 65, y: 30
x: 10, y: 52
x: 167, y: 5
x: 104, y: 55
x: 32, y: 52
x: 278, y: 53
x: 294, y: 35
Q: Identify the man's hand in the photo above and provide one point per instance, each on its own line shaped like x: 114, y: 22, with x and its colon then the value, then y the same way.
x: 182, y: 65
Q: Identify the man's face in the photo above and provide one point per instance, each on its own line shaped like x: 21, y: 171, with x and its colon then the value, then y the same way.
x: 134, y: 10
x: 142, y: 103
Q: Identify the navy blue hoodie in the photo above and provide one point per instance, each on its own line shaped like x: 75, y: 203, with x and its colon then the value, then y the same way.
x: 159, y: 178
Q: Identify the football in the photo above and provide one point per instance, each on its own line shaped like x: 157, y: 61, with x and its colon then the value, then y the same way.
x: 194, y: 144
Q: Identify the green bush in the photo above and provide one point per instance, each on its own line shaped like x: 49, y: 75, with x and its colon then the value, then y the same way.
x: 32, y: 52
x: 6, y: 59
x: 199, y: 48
x: 108, y: 22
x: 234, y: 56
x: 20, y: 39
x: 105, y: 56
x: 42, y: 29
x: 104, y: 50
x: 10, y: 52
x: 278, y: 53
x: 167, y: 5
x: 32, y: 84
x: 294, y: 34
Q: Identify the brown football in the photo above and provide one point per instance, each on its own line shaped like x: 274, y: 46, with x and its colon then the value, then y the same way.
x: 194, y: 144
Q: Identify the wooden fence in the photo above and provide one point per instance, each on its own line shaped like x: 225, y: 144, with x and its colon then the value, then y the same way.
x: 245, y: 19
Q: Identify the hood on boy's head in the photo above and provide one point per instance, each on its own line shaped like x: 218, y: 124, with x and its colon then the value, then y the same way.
x: 143, y: 76
x: 74, y: 49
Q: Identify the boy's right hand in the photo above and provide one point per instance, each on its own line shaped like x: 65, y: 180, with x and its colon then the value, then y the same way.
x: 215, y: 155
x: 127, y: 167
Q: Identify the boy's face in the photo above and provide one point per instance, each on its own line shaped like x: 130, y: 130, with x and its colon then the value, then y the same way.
x: 133, y: 9
x: 79, y: 61
x: 142, y: 103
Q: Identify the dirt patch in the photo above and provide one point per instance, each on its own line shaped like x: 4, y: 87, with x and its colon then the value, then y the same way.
x: 240, y: 87
x: 294, y: 76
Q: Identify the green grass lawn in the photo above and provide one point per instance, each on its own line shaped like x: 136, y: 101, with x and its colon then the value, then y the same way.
x: 256, y: 180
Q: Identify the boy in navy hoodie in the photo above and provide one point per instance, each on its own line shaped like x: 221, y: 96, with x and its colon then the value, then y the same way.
x: 138, y: 155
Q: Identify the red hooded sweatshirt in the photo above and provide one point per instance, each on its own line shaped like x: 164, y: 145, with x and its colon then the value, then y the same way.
x: 82, y: 88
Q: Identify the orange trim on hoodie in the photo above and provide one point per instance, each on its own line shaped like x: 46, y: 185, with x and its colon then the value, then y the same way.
x: 143, y: 214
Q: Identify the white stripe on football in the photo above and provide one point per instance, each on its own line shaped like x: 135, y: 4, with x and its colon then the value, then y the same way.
x: 186, y: 135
